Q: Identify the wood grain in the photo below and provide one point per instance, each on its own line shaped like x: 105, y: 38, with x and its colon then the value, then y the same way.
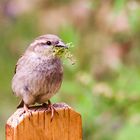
x: 65, y: 126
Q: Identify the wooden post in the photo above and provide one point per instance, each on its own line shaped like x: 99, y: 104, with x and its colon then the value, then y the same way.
x: 65, y: 126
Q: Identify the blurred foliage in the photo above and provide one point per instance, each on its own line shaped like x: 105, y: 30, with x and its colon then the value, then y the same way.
x: 104, y: 85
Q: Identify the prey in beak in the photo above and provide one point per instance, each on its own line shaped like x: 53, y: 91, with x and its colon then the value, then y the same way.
x: 59, y: 49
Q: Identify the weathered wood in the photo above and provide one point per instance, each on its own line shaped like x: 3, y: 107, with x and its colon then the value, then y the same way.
x: 65, y: 126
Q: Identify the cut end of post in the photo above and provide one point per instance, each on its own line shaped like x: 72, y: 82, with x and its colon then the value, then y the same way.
x: 66, y: 125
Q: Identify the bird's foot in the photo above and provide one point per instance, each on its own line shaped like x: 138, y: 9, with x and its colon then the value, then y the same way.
x: 26, y: 110
x: 50, y: 108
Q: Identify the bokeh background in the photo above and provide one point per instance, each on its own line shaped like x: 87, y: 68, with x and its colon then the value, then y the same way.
x: 104, y: 84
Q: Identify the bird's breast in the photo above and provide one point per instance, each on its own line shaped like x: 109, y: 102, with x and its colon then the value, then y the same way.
x: 48, y: 76
x: 46, y: 65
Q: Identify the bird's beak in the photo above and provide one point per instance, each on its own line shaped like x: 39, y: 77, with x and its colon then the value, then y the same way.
x: 61, y: 45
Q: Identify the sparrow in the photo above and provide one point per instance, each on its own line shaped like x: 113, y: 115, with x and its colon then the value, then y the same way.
x: 39, y: 72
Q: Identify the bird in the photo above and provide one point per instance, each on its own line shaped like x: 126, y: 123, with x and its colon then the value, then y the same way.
x: 39, y: 72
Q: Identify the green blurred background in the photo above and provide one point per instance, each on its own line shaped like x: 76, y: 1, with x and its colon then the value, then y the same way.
x: 104, y: 85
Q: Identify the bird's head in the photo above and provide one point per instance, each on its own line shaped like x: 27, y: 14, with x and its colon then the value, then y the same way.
x: 48, y: 45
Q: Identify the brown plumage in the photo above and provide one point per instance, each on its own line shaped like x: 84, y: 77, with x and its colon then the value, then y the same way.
x: 38, y: 74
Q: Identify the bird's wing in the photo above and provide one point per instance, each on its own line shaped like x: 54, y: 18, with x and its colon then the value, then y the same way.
x: 18, y: 67
x: 19, y: 64
x: 15, y: 68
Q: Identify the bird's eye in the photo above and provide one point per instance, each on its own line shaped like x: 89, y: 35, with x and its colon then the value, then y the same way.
x: 49, y: 43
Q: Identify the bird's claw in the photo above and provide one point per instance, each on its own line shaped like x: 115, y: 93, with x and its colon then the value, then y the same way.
x: 26, y: 110
x: 52, y: 109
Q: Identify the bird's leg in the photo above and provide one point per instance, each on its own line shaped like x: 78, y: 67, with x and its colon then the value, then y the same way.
x: 48, y: 108
x: 51, y: 109
x: 25, y: 107
x: 26, y: 110
x: 21, y: 104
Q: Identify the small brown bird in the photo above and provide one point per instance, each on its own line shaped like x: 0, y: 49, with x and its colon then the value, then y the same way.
x: 39, y: 72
